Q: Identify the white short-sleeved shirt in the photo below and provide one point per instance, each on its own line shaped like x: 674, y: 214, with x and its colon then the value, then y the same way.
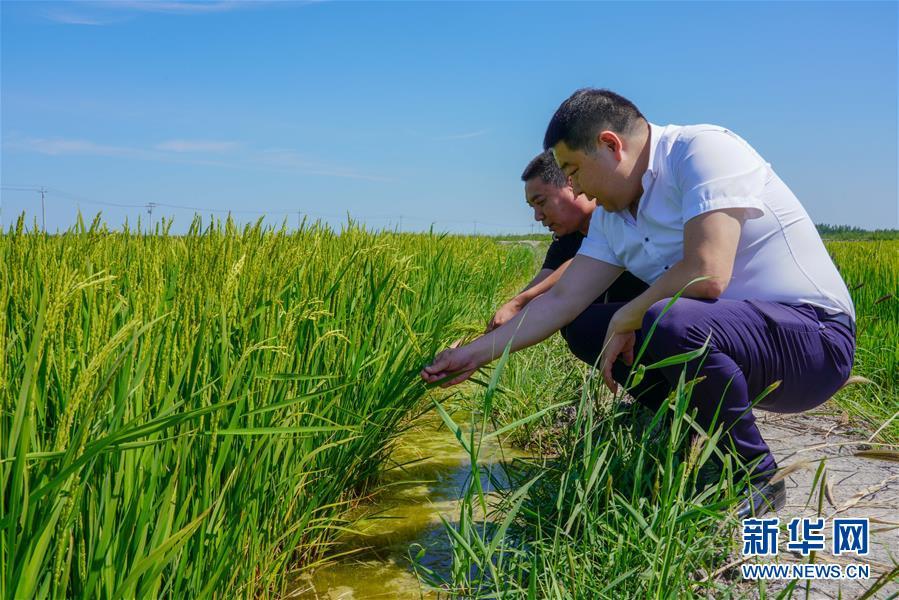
x: 700, y: 168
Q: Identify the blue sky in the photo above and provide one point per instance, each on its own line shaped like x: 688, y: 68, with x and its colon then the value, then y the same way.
x: 407, y: 114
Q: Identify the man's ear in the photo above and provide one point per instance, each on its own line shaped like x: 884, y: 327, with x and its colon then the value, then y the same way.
x: 609, y: 141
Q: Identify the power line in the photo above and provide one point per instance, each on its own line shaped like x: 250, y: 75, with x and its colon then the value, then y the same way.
x: 21, y: 189
x: 62, y: 194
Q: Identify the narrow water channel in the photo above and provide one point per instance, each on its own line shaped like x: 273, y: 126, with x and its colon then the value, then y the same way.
x: 406, y: 513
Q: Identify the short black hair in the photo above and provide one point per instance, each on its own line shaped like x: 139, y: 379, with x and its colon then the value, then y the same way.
x: 587, y: 112
x: 544, y: 166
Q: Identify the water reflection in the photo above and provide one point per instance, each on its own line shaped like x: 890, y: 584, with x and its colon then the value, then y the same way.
x: 432, y: 472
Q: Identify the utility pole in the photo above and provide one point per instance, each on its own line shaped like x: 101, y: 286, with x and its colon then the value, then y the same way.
x: 43, y: 212
x: 299, y: 222
x: 475, y: 227
x: 150, y: 207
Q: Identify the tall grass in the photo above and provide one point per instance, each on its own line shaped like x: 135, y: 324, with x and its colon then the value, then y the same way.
x: 188, y: 416
x: 631, y: 508
x: 871, y: 270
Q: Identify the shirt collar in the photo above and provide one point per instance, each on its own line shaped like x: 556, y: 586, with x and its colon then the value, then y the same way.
x: 655, y: 137
x: 652, y: 171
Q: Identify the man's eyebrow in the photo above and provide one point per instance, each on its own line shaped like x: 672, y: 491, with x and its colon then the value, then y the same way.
x: 563, y: 166
x: 533, y: 198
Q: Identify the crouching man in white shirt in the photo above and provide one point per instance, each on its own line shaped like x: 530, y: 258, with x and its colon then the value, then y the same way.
x: 679, y: 203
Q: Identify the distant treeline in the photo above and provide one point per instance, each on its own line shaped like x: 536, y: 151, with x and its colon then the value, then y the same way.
x: 846, y: 232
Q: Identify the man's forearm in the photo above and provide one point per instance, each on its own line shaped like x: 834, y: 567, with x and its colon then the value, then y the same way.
x: 630, y: 316
x: 542, y: 286
x: 543, y: 317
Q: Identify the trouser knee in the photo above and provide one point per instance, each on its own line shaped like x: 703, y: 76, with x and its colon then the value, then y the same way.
x: 582, y: 342
x: 672, y: 329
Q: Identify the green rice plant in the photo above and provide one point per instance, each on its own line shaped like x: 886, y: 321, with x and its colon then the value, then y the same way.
x: 871, y: 270
x: 189, y: 416
x: 536, y: 377
x: 627, y: 510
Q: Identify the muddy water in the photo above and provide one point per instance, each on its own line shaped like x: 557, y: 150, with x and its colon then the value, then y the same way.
x: 406, y: 512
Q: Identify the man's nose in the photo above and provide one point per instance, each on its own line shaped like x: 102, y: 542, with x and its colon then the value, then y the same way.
x: 538, y: 214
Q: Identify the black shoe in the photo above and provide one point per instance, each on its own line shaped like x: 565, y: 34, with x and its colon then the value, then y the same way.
x: 764, y: 496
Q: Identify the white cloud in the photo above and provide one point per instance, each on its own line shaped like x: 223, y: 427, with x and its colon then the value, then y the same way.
x: 196, y: 146
x: 56, y: 146
x: 69, y: 18
x: 106, y: 12
x: 191, y: 152
x: 179, y: 7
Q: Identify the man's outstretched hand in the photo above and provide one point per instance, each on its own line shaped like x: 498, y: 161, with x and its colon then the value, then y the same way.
x: 458, y: 362
x: 505, y: 314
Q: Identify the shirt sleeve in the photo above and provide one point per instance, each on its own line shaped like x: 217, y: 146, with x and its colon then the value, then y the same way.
x: 596, y: 246
x: 720, y: 170
x: 561, y: 250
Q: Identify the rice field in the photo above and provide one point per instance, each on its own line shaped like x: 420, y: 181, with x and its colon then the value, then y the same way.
x: 627, y: 504
x: 190, y: 416
x: 871, y: 270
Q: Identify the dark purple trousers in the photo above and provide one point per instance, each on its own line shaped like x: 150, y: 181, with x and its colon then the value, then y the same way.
x: 753, y: 344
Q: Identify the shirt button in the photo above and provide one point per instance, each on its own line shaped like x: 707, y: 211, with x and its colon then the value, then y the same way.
x: 645, y: 239
x: 666, y: 267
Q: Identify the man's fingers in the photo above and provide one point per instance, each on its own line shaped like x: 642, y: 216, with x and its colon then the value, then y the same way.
x: 616, y: 347
x: 432, y: 377
x: 458, y: 379
x: 449, y: 363
x: 437, y: 369
x: 604, y: 369
x: 610, y: 381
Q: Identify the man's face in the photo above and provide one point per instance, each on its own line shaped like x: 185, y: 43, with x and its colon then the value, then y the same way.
x: 595, y: 174
x: 555, y: 207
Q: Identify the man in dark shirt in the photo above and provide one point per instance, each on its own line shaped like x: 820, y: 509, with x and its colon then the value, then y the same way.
x: 549, y: 193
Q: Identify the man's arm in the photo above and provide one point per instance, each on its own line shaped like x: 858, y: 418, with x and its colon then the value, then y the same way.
x: 710, y: 247
x: 538, y: 278
x: 543, y: 285
x: 544, y: 281
x: 580, y: 284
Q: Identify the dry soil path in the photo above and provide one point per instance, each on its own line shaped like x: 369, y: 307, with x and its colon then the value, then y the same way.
x: 855, y: 487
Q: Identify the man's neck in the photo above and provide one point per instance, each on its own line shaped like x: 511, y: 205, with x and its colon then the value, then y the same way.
x: 585, y: 225
x: 634, y: 205
x: 640, y: 168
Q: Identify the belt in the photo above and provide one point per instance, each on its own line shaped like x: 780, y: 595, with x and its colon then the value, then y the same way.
x: 841, y: 318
